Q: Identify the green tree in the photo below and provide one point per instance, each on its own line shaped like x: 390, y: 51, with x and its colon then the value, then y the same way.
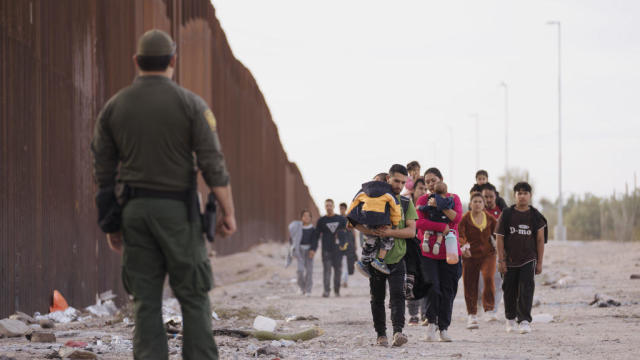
x: 624, y: 215
x: 514, y: 176
x: 583, y: 218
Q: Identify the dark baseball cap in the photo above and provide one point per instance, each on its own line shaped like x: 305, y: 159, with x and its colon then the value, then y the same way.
x: 156, y: 43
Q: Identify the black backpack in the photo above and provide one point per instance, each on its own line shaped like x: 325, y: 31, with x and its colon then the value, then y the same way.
x: 404, y: 202
x: 537, y: 219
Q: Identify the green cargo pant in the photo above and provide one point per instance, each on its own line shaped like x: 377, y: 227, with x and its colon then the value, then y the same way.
x: 159, y: 239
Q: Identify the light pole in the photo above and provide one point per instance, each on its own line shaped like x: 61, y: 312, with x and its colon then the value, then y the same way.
x: 450, y: 153
x: 475, y: 116
x: 506, y: 135
x: 560, y: 229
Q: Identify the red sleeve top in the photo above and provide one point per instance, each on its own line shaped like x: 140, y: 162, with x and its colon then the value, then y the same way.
x: 424, y: 224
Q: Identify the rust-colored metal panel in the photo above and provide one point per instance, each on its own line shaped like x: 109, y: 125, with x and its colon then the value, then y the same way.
x: 61, y: 61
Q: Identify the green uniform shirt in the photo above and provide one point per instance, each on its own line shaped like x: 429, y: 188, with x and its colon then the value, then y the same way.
x: 399, y: 245
x: 153, y: 128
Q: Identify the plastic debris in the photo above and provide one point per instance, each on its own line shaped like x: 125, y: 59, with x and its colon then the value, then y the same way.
x: 58, y: 303
x: 262, y: 323
x: 76, y: 344
x: 563, y: 282
x: 108, y: 308
x: 215, y: 316
x: 542, y: 318
x: 63, y: 317
x: 107, y: 295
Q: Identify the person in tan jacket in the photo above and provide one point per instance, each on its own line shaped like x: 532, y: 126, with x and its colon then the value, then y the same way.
x: 479, y: 257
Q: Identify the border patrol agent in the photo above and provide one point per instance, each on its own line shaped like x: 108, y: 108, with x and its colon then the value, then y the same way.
x: 151, y: 130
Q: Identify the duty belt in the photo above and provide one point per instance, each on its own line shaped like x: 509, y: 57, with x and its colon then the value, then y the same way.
x: 158, y: 194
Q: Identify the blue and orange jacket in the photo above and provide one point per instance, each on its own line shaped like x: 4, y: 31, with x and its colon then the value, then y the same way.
x: 375, y: 205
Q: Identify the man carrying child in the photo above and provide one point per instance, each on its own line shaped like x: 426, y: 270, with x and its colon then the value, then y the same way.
x: 394, y: 262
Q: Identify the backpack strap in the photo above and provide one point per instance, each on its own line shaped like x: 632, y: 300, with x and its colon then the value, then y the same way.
x: 506, y: 220
x: 404, y: 202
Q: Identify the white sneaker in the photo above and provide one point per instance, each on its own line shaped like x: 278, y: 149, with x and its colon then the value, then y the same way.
x: 525, y: 328
x: 472, y: 322
x: 511, y: 325
x: 300, y: 292
x: 425, y: 246
x: 444, y: 337
x: 431, y: 333
x: 491, y: 316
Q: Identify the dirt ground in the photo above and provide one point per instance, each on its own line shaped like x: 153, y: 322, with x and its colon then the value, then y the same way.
x: 256, y: 283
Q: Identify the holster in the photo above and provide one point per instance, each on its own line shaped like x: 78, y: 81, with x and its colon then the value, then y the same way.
x: 209, y: 218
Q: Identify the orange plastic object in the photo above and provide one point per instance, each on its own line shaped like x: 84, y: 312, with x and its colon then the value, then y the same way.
x: 59, y: 303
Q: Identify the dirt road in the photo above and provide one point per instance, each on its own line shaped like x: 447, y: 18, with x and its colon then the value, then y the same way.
x: 256, y: 283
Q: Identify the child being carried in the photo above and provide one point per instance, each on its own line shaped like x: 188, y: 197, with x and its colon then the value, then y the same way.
x: 434, y: 213
x: 375, y: 207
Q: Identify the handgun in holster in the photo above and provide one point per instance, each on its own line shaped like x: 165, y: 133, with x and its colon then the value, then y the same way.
x: 209, y: 218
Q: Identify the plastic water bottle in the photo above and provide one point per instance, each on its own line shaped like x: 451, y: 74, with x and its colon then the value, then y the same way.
x: 451, y: 244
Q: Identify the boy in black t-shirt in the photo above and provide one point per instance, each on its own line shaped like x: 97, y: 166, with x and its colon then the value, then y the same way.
x: 521, y: 236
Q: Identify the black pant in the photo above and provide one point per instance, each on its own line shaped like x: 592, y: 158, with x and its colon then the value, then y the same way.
x: 351, y: 260
x: 331, y: 260
x: 412, y: 257
x: 377, y: 285
x: 444, y: 287
x: 518, y: 286
x: 417, y: 307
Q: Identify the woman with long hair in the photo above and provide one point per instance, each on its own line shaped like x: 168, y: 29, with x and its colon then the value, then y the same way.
x: 436, y: 270
x: 476, y: 231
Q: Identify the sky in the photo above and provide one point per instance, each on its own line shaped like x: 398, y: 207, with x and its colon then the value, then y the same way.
x: 356, y: 86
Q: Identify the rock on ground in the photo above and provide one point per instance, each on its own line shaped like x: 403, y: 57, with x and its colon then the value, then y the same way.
x: 14, y: 328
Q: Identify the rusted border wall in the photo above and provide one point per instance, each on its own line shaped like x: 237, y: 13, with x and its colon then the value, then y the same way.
x: 60, y: 62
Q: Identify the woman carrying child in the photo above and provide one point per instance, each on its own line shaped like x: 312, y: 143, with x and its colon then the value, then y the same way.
x: 441, y: 275
x: 476, y: 238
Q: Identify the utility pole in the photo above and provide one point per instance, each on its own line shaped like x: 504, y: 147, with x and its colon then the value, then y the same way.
x: 450, y: 153
x: 560, y: 229
x: 506, y: 134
